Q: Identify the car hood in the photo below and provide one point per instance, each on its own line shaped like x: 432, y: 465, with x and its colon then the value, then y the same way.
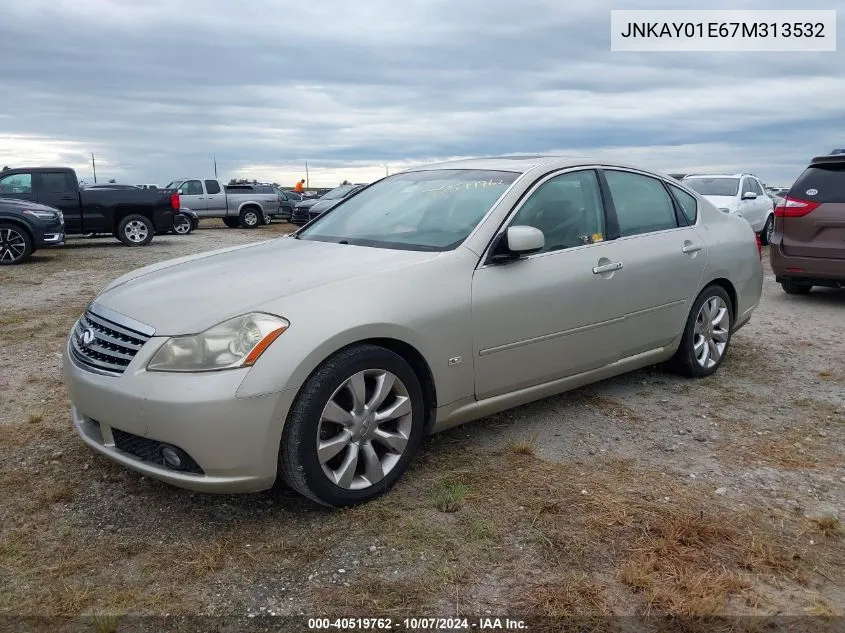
x: 18, y: 203
x: 324, y: 205
x: 306, y: 204
x: 190, y: 294
x: 727, y: 202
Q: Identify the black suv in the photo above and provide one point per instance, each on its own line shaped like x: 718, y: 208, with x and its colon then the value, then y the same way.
x: 27, y: 226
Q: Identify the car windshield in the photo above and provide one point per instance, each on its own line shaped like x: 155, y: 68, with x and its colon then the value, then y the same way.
x: 713, y: 186
x: 433, y: 210
x: 338, y: 192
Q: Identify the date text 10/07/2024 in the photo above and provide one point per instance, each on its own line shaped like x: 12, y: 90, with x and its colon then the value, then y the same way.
x: 417, y: 624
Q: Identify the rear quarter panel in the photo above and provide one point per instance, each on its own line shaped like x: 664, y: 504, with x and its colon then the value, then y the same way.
x: 732, y: 255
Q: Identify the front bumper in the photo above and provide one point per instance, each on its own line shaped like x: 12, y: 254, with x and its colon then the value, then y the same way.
x: 49, y: 234
x: 233, y: 441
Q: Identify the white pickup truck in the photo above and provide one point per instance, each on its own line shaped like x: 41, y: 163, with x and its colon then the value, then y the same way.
x: 244, y: 206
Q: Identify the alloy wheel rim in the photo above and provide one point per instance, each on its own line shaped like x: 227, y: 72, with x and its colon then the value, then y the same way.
x: 711, y: 332
x: 12, y: 245
x: 136, y: 231
x: 770, y: 229
x: 250, y: 218
x: 182, y: 227
x: 364, y: 429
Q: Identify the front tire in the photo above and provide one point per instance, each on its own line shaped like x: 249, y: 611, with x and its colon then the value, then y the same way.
x: 135, y: 230
x: 232, y: 223
x: 182, y: 225
x: 354, y: 427
x: 794, y: 288
x: 768, y: 229
x: 250, y: 218
x: 707, y: 334
x: 15, y: 244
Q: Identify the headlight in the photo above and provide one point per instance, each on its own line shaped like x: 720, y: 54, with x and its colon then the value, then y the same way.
x: 42, y: 215
x: 238, y: 342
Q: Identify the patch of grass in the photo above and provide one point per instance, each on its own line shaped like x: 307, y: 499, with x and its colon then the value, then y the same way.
x: 830, y: 526
x: 576, y: 595
x: 371, y: 594
x: 523, y: 447
x: 34, y: 418
x: 105, y: 623
x: 449, y: 497
x: 800, y: 448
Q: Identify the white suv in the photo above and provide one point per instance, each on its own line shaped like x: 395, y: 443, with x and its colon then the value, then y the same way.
x: 738, y: 194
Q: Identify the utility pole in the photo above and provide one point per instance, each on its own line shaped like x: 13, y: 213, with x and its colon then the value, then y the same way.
x: 94, y: 165
x: 306, y: 174
x: 386, y: 170
x: 215, y: 168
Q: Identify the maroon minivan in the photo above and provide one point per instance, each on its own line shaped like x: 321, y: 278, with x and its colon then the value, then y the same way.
x: 808, y: 243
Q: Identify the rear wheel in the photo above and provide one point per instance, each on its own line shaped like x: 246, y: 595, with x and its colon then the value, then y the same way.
x: 768, y: 229
x: 707, y: 334
x: 135, y: 230
x: 232, y: 223
x: 250, y: 218
x: 15, y: 244
x: 795, y: 288
x: 353, y: 428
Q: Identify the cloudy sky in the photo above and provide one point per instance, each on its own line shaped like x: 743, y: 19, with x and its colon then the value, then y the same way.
x: 156, y: 89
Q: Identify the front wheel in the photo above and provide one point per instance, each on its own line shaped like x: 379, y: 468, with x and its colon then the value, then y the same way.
x: 353, y: 428
x: 15, y: 244
x: 707, y: 334
x: 232, y: 223
x: 135, y: 230
x: 182, y: 224
x: 766, y: 233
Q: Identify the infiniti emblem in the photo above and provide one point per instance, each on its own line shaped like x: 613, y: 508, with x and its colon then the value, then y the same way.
x: 86, y: 337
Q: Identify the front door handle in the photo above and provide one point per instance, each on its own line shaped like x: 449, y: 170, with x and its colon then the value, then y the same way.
x: 691, y: 248
x: 607, y: 268
x: 68, y: 198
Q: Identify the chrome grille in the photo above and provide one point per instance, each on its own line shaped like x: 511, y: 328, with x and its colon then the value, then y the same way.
x: 101, y: 345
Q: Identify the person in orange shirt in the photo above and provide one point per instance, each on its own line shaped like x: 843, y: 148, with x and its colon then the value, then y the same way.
x: 299, y: 186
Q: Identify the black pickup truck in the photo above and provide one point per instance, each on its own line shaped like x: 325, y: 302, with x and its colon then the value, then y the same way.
x: 132, y: 216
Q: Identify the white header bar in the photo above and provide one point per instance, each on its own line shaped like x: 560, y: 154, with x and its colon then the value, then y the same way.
x: 717, y: 30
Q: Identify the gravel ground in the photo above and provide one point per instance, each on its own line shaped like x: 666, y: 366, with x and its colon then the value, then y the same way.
x: 581, y: 504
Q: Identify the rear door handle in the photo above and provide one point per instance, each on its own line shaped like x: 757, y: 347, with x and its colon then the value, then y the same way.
x: 68, y: 198
x: 691, y: 248
x: 607, y: 268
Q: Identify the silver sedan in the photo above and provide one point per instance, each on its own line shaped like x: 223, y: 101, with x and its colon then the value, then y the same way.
x: 427, y: 299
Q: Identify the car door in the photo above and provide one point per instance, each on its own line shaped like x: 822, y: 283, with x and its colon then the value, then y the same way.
x: 661, y: 254
x: 58, y: 189
x: 748, y: 208
x: 554, y: 313
x: 215, y: 199
x: 192, y: 197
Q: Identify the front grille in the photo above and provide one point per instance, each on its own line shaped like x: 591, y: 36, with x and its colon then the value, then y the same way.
x: 150, y: 451
x: 103, y: 346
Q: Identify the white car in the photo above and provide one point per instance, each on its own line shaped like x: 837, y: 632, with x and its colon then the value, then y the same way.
x: 738, y: 194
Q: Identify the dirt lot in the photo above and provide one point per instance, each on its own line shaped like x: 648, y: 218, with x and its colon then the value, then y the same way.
x: 646, y: 494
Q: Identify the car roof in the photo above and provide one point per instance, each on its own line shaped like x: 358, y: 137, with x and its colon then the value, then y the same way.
x: 522, y: 163
x: 690, y: 177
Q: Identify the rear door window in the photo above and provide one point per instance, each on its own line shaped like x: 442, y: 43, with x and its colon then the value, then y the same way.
x: 688, y: 203
x: 212, y: 186
x: 823, y: 183
x: 642, y: 203
x: 56, y: 182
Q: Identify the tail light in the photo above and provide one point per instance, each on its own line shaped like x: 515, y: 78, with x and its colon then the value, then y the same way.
x: 759, y: 245
x: 795, y: 208
x: 174, y: 200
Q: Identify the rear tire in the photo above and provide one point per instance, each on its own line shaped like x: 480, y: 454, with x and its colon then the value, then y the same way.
x: 707, y: 334
x: 135, y: 230
x: 15, y: 244
x: 794, y: 288
x: 768, y: 229
x: 232, y: 223
x: 375, y: 437
x: 250, y: 218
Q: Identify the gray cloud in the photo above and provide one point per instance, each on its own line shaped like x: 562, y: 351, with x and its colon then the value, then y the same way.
x: 157, y: 89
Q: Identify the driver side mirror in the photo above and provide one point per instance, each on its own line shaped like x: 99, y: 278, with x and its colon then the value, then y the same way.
x: 749, y: 195
x: 517, y: 242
